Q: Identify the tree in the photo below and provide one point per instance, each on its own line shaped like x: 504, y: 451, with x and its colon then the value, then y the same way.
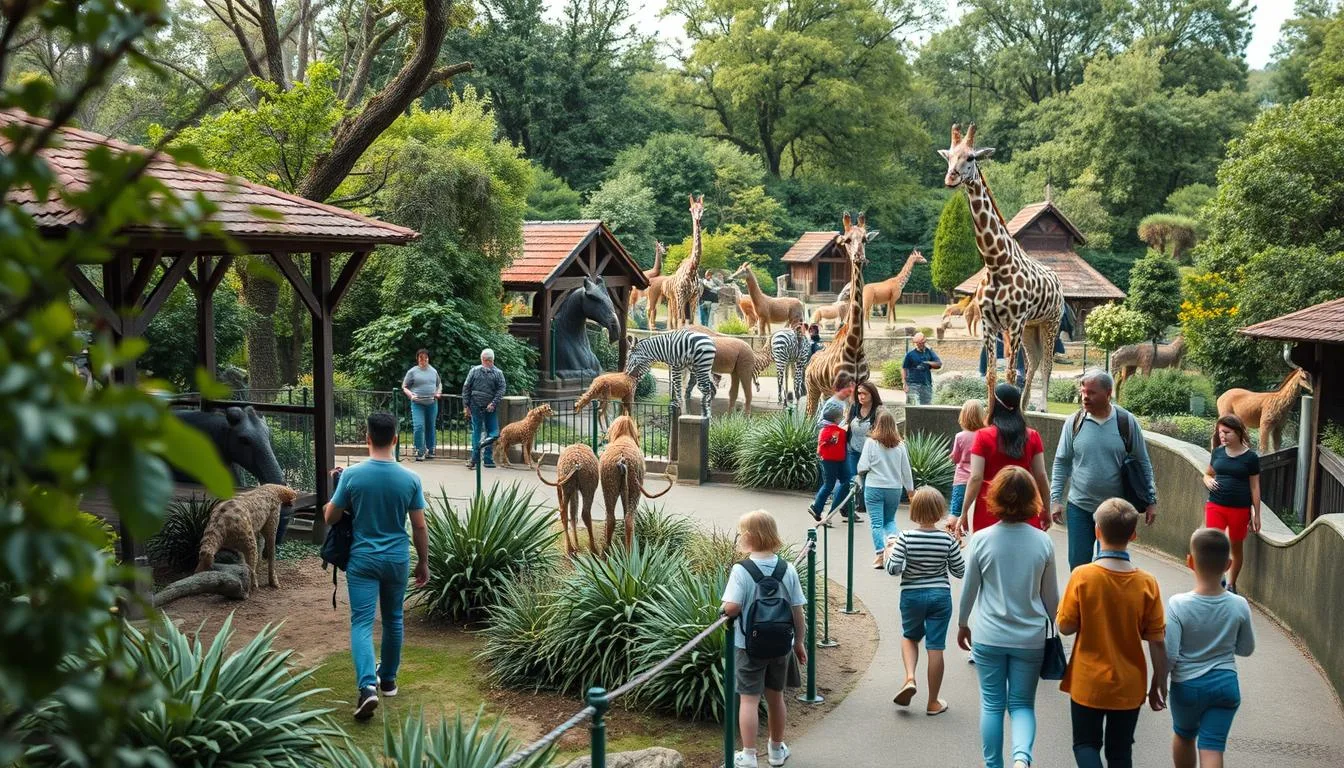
x: 1301, y: 40
x: 1325, y: 73
x: 1155, y: 293
x: 172, y: 336
x: 1168, y: 234
x: 1188, y: 201
x: 627, y: 206
x: 1112, y: 326
x: 955, y: 254
x: 550, y: 198
x: 1203, y: 42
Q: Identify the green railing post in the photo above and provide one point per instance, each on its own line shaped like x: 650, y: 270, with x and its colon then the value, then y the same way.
x: 729, y: 692
x: 826, y: 641
x: 597, y: 699
x: 849, y: 568
x: 811, y: 696
x: 396, y: 416
x: 594, y: 425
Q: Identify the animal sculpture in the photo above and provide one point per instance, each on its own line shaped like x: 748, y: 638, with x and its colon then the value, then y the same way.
x: 575, y: 487
x: 733, y: 357
x: 574, y: 357
x: 236, y: 523
x: 622, y: 472
x: 888, y: 292
x: 1266, y: 411
x: 769, y: 309
x: 679, y: 350
x: 522, y: 432
x: 604, y: 389
x: 1143, y: 359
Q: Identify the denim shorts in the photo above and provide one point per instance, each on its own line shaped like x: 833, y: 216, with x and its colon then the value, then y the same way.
x: 1204, y: 708
x: 925, y: 615
x: 958, y: 496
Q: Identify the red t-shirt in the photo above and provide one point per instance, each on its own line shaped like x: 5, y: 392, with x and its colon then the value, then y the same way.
x: 837, y: 451
x: 987, y: 445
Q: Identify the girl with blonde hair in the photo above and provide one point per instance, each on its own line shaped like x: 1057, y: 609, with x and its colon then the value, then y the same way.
x: 971, y: 420
x: 884, y: 469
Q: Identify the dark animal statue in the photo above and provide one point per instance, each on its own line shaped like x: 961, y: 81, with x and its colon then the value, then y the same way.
x: 243, y: 440
x: 574, y: 358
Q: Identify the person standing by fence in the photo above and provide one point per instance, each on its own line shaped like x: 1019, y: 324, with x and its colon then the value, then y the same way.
x: 423, y: 387
x: 1233, y: 480
x: 917, y: 370
x: 481, y: 394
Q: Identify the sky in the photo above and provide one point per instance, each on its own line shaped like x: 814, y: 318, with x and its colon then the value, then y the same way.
x: 1268, y: 16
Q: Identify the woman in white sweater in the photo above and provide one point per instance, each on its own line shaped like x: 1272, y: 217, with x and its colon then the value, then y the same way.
x: 884, y: 468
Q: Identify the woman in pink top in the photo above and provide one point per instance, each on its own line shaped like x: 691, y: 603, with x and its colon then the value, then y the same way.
x: 972, y: 418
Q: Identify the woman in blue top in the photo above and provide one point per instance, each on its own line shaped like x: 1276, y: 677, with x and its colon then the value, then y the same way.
x: 1233, y: 480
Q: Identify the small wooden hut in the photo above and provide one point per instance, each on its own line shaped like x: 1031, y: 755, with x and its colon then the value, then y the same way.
x: 817, y: 268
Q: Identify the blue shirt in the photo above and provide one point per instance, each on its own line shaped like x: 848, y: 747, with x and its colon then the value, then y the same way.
x: 916, y: 365
x: 1010, y: 583
x: 741, y: 589
x: 379, y: 494
x: 1091, y: 462
x: 1207, y: 633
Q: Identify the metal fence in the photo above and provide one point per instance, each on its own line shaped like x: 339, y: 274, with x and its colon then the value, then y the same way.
x: 291, y: 430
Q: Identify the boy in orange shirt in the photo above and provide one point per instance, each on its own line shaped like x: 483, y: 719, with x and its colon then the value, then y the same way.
x: 1113, y: 607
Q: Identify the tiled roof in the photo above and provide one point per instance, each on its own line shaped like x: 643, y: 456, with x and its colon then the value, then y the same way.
x: 1321, y: 323
x: 809, y: 246
x: 548, y: 246
x: 236, y: 199
x: 1079, y: 279
x: 1031, y: 213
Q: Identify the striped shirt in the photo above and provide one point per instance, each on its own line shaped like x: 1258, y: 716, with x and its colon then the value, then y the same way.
x: 923, y: 558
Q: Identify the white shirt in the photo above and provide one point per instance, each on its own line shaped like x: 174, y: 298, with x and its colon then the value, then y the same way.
x: 886, y: 467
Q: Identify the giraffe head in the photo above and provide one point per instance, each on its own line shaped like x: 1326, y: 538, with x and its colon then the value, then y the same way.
x: 962, y: 156
x: 659, y: 250
x: 917, y: 257
x: 697, y: 208
x: 853, y: 239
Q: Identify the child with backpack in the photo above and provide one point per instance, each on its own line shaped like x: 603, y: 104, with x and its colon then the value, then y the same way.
x: 923, y: 558
x: 766, y: 597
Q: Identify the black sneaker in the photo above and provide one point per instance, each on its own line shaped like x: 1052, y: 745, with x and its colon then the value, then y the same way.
x: 429, y: 455
x: 368, y: 702
x: 385, y: 687
x: 814, y: 513
x: 471, y: 466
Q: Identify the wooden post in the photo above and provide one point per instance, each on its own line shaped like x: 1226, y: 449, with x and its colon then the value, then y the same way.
x: 205, y: 314
x: 547, y: 372
x: 324, y: 412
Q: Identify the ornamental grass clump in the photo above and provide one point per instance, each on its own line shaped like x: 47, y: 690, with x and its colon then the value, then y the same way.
x: 779, y: 451
x: 727, y: 433
x: 692, y: 688
x: 931, y: 461
x: 454, y: 743
x: 656, y: 527
x: 177, y: 544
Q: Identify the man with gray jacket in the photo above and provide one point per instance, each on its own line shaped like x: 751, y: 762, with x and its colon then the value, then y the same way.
x: 481, y: 393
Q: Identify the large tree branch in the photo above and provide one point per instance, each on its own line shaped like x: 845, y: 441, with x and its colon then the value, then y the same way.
x: 364, y: 69
x: 230, y: 20
x: 270, y: 38
x: 445, y: 73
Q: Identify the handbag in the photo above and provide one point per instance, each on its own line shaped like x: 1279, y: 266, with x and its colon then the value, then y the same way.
x: 1054, y: 663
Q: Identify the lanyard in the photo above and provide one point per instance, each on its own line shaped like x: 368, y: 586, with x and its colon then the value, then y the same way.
x: 1115, y: 554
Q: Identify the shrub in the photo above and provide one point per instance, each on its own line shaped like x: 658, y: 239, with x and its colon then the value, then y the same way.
x: 646, y: 387
x: 779, y: 452
x: 1112, y: 326
x: 656, y: 527
x: 522, y: 624
x: 926, y: 330
x: 931, y: 461
x: 1196, y: 430
x: 608, y: 354
x: 177, y: 545
x: 955, y: 390
x: 415, y: 744
x: 503, y: 534
x: 892, y: 375
x: 1165, y: 393
x: 1063, y: 391
x: 692, y: 688
x: 708, y: 554
x: 734, y: 326
x: 1332, y: 437
x: 727, y: 433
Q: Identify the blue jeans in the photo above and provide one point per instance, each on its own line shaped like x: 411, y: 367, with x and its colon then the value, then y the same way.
x: 1008, y: 678
x: 1204, y: 708
x: 376, y: 580
x: 925, y: 615
x: 424, y: 417
x: 920, y: 394
x: 1082, y: 535
x: 487, y: 422
x: 834, y: 475
x: 958, y: 496
x: 881, y: 504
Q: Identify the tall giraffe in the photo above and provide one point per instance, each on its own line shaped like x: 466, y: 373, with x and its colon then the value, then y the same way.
x: 853, y: 241
x: 1022, y: 297
x: 686, y: 280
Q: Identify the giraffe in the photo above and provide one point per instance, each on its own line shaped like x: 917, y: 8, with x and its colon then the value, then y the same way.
x: 652, y: 275
x: 889, y: 291
x: 1022, y: 297
x: 822, y: 368
x: 853, y: 242
x: 685, y: 282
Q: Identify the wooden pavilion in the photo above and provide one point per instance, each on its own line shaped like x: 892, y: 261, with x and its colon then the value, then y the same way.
x: 557, y: 256
x: 1048, y: 236
x: 149, y: 262
x: 816, y: 266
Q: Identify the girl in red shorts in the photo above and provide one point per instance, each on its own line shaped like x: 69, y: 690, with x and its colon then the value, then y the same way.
x: 1233, y: 480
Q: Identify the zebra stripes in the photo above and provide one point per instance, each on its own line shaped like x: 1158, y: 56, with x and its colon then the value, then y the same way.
x: 791, y: 350
x: 677, y: 350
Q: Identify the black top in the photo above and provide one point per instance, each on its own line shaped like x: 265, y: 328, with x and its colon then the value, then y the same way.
x: 1233, y: 474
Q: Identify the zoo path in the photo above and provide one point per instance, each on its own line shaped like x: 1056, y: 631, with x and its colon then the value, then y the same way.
x: 1289, y: 718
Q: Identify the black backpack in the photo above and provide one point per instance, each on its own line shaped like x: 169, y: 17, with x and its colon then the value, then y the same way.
x: 1132, y: 482
x: 767, y: 622
x: 336, y: 548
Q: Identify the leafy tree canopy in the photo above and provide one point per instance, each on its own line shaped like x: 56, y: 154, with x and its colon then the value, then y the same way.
x: 1301, y: 41
x: 1155, y: 292
x: 627, y: 206
x: 550, y: 198
x: 955, y: 254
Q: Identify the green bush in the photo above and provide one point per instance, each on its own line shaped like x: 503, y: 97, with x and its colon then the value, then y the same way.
x: 646, y: 387
x: 892, y: 375
x: 1332, y: 437
x: 1063, y: 391
x: 1165, y: 393
x: 733, y: 326
x: 708, y: 554
x: 522, y: 625
x: 780, y: 451
x: 502, y: 535
x: 957, y: 389
x: 692, y: 688
x: 177, y: 545
x: 1196, y: 430
x: 656, y: 527
x: 727, y: 433
x: 931, y: 461
x: 608, y: 354
x: 416, y: 744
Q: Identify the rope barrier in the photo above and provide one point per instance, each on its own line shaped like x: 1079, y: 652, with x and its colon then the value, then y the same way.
x: 545, y: 741
x: 836, y: 508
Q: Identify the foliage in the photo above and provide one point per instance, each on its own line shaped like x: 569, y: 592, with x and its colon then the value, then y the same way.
x: 656, y: 527
x: 958, y: 388
x: 1189, y: 201
x: 733, y: 326
x: 892, y: 376
x: 1113, y: 265
x: 628, y: 207
x: 550, y: 198
x: 1210, y: 318
x: 647, y: 386
x: 177, y: 545
x: 1325, y: 73
x: 1112, y: 326
x: 692, y: 688
x: 248, y: 707
x: 780, y: 451
x: 1332, y: 437
x: 1168, y: 234
x: 523, y: 622
x: 713, y: 553
x: 1155, y: 293
x: 1166, y: 392
x: 727, y: 434
x: 1063, y: 391
x: 1196, y: 430
x: 502, y: 535
x: 1300, y: 43
x: 931, y: 460
x: 413, y: 743
x: 383, y: 347
x: 1280, y: 280
x: 955, y: 254
x: 172, y: 336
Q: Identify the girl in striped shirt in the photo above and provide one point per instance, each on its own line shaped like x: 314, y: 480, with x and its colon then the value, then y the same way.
x: 923, y: 557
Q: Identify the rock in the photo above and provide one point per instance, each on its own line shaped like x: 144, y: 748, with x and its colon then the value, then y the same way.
x: 653, y: 757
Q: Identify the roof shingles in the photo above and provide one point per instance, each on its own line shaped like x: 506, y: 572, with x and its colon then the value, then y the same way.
x: 809, y: 247
x: 1322, y: 323
x: 548, y: 245
x: 1079, y: 279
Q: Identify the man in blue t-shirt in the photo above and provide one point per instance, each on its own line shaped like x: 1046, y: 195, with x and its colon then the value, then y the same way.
x: 917, y: 369
x: 380, y: 494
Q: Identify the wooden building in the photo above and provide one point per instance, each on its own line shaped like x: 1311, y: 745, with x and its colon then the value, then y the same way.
x: 557, y: 256
x: 1048, y: 236
x: 1317, y: 338
x: 818, y: 269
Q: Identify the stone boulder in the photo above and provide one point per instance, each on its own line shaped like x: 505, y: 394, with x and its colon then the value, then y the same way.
x: 653, y: 757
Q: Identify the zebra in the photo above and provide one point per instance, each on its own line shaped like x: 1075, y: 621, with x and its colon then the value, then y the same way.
x: 790, y: 347
x: 678, y: 350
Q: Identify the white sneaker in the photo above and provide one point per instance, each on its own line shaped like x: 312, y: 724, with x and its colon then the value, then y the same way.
x: 1021, y: 764
x: 744, y: 759
x: 779, y: 755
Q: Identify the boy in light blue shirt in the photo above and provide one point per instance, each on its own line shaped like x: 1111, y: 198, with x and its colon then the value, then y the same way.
x: 1207, y: 629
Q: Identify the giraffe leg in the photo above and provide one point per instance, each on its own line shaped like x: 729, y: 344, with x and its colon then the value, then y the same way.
x: 1046, y: 338
x: 571, y: 544
x: 588, y: 499
x: 1031, y: 341
x: 991, y: 369
x: 628, y: 510
x: 1011, y: 344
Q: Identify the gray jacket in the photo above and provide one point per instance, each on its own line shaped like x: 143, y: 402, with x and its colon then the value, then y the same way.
x: 483, y: 387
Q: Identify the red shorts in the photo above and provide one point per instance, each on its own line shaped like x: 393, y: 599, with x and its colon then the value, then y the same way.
x: 1235, y: 520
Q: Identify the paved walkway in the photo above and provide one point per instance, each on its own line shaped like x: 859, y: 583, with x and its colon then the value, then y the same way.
x: 1289, y: 718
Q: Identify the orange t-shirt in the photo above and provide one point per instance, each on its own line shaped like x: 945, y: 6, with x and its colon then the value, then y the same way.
x: 1115, y: 613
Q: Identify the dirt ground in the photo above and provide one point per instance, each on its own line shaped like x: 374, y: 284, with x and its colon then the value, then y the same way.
x: 315, y: 631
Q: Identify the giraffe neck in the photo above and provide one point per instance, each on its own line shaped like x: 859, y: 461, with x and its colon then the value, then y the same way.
x: 903, y: 276
x: 991, y: 233
x: 695, y: 245
x: 853, y: 355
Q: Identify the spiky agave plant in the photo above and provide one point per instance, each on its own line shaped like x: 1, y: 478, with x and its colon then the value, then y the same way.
x: 453, y: 743
x: 779, y: 451
x: 931, y: 460
x: 520, y: 629
x: 177, y: 545
x: 656, y: 527
x: 476, y: 551
x: 726, y: 435
x: 692, y: 688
